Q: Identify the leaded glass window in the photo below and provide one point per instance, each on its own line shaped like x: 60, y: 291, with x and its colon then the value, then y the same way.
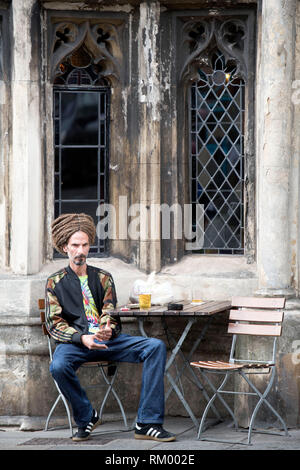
x: 81, y: 139
x: 217, y: 153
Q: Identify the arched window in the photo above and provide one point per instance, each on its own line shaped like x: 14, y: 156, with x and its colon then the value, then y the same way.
x: 217, y: 153
x: 81, y: 138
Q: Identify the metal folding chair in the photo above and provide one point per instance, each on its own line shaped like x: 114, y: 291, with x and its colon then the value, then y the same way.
x: 108, y: 371
x: 254, y: 317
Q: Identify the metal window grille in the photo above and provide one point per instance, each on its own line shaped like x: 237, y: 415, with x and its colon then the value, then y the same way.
x: 81, y: 143
x: 216, y: 155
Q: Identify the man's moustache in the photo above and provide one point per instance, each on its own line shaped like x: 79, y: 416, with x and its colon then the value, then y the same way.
x: 80, y: 259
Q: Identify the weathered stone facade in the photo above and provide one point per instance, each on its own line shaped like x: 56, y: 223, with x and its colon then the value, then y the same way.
x: 149, y: 66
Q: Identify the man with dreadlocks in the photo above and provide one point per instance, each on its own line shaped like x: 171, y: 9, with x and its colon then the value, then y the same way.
x: 78, y: 301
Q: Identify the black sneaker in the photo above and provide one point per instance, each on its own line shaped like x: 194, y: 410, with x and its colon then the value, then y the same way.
x: 153, y: 432
x: 84, y: 433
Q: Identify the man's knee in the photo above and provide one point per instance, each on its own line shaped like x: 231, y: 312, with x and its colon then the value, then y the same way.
x: 157, y: 345
x: 58, y: 368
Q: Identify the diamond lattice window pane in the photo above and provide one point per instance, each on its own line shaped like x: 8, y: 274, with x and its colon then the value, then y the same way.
x: 217, y: 106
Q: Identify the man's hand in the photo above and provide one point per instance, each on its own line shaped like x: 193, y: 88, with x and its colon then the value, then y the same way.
x: 104, y: 334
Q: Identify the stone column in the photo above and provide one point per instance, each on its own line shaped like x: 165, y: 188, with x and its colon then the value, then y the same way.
x: 274, y: 152
x: 26, y: 158
x: 5, y: 112
x: 149, y: 141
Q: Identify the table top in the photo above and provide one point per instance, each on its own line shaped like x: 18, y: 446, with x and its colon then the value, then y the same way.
x: 206, y: 308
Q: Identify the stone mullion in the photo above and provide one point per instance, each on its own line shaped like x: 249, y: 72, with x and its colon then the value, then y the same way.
x: 149, y: 137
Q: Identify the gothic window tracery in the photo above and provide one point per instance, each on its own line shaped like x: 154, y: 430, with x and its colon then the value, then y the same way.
x: 82, y: 83
x: 216, y: 69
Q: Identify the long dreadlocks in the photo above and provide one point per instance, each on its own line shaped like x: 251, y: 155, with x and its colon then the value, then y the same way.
x: 67, y: 224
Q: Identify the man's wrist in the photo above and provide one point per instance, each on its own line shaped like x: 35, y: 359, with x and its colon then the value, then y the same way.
x: 76, y: 338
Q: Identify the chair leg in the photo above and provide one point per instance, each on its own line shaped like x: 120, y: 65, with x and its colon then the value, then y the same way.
x: 50, y: 412
x: 205, y: 394
x: 60, y: 397
x: 262, y: 399
x: 109, y: 390
x: 216, y: 394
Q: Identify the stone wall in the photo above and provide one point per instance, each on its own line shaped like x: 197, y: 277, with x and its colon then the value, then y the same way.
x: 27, y: 389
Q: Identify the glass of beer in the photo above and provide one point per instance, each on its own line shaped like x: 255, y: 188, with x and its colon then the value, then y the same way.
x: 145, y: 301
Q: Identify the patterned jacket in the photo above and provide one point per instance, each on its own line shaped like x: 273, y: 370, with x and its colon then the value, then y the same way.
x: 65, y: 316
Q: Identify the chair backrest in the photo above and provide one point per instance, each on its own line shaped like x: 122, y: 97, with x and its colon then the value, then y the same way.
x: 41, y: 305
x: 256, y: 316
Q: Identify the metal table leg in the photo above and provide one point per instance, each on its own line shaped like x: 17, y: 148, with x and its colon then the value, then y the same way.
x: 187, y: 359
x: 176, y: 350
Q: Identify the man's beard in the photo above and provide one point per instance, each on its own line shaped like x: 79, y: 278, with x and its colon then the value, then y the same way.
x: 79, y: 260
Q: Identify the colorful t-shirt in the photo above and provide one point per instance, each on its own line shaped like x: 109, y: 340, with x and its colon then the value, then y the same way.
x: 90, y: 308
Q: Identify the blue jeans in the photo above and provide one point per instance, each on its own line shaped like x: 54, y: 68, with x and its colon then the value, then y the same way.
x: 68, y: 357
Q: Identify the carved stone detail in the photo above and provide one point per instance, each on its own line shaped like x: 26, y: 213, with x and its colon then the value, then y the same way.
x: 100, y: 40
x: 206, y: 35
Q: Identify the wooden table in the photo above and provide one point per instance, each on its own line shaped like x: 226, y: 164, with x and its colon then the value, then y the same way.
x: 191, y: 313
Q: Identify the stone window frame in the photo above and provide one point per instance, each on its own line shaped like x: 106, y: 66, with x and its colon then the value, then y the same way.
x: 5, y: 40
x: 100, y: 93
x: 128, y: 141
x: 5, y: 126
x: 176, y: 161
x: 118, y: 76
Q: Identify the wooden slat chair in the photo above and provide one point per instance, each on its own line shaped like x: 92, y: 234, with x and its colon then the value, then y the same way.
x: 255, y: 317
x: 108, y: 371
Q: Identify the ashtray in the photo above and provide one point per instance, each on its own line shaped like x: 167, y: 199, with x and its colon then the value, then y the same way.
x: 173, y: 306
